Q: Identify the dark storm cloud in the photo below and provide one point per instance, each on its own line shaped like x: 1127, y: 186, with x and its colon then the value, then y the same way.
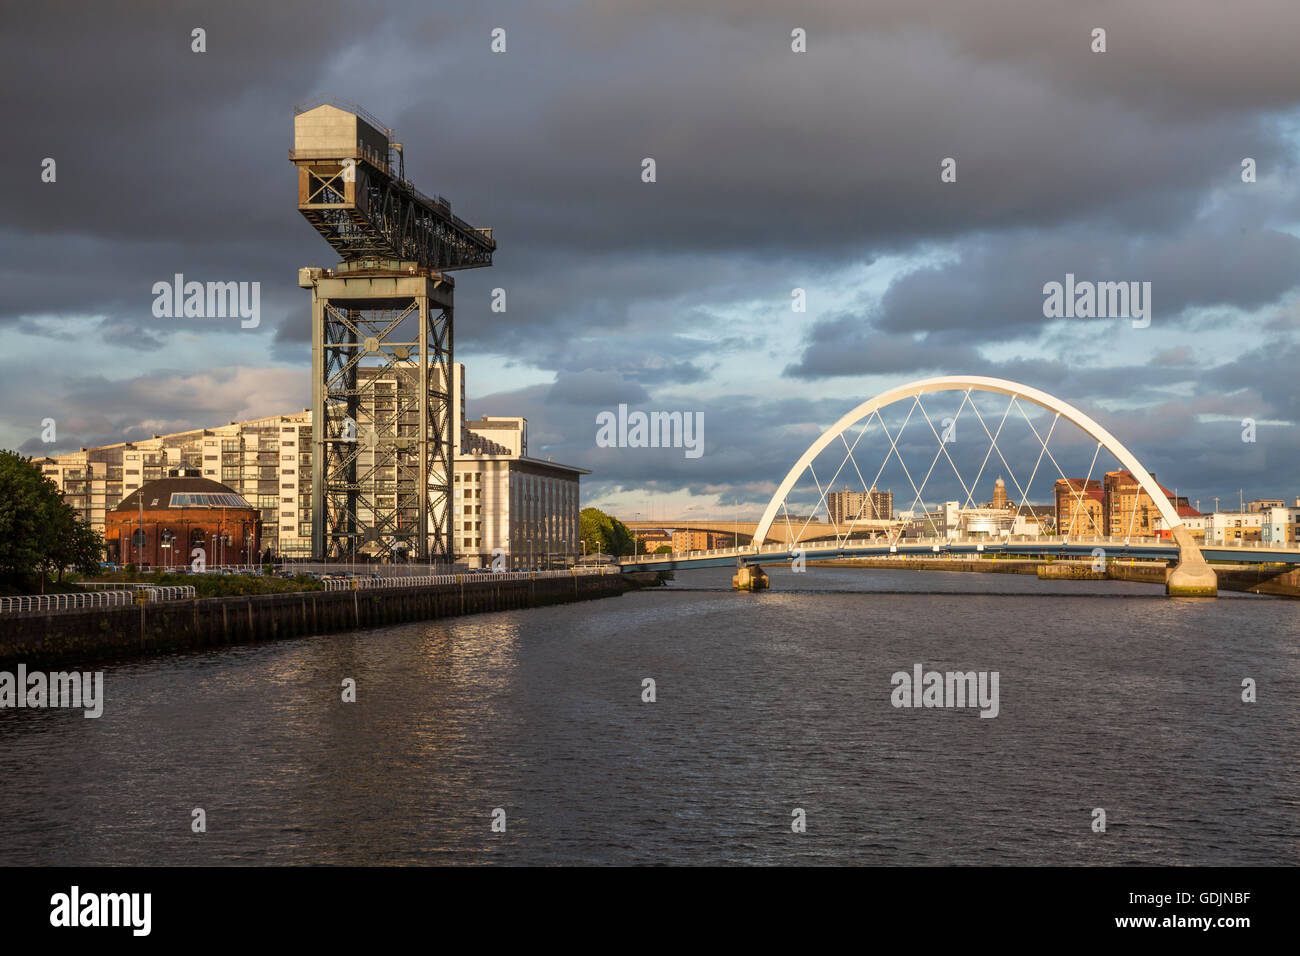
x: 1268, y: 374
x: 1192, y: 46
x: 155, y: 142
x: 594, y: 388
x: 995, y: 293
x: 846, y: 345
x: 832, y: 153
x: 93, y: 409
x: 732, y: 458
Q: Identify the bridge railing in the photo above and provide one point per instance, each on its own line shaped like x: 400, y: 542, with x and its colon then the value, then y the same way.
x: 965, y: 541
x: 883, y: 543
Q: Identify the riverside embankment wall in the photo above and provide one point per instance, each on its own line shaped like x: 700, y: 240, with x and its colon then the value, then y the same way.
x: 1256, y: 579
x: 106, y: 633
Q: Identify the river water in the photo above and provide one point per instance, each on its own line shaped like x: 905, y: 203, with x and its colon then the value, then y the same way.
x: 1111, y: 696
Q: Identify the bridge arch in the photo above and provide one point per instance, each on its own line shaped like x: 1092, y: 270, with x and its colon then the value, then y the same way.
x: 1193, y: 575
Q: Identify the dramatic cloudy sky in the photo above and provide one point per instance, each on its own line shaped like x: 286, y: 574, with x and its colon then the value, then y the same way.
x: 775, y: 170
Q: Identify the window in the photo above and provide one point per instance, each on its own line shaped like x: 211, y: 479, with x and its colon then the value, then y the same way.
x: 207, y: 500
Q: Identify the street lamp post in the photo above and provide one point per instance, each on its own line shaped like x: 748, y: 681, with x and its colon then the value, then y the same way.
x: 140, y: 547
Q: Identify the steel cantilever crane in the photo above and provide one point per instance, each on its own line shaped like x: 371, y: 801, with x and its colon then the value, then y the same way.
x: 385, y: 399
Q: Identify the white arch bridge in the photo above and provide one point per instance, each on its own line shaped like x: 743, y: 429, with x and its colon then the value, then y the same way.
x: 782, y: 536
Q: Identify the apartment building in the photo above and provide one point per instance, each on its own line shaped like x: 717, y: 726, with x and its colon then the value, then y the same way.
x: 506, y: 505
x: 847, y: 506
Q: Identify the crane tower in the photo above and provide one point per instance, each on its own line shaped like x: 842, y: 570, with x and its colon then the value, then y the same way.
x: 385, y: 402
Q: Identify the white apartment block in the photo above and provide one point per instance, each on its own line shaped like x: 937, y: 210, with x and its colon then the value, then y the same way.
x: 1281, y: 525
x: 505, y: 505
x: 262, y: 459
x: 1233, y: 527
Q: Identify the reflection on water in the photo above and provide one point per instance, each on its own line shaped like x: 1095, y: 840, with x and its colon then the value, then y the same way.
x: 1111, y: 696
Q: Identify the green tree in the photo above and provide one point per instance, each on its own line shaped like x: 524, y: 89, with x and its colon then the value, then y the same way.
x: 39, y: 531
x: 22, y: 510
x: 70, y: 542
x: 604, y: 534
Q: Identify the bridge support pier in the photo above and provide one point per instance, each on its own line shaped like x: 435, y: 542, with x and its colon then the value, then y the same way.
x: 749, y: 577
x: 1192, y: 576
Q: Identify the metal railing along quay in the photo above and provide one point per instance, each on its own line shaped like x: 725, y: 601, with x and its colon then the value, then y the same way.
x: 97, y: 598
x: 247, y: 570
x: 431, y: 580
x: 59, y: 602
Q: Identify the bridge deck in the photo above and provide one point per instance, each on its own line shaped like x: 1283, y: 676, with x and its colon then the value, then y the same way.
x: 1159, y: 549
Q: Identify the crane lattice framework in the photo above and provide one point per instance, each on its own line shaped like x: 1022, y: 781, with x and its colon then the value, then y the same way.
x: 384, y: 398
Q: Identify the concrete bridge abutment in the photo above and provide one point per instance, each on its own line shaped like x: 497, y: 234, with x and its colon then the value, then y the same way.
x: 1192, y: 576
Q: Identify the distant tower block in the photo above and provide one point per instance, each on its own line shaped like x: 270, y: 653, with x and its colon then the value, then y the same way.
x: 383, y: 416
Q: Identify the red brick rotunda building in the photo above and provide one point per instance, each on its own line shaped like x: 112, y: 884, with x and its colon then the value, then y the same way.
x: 168, y: 522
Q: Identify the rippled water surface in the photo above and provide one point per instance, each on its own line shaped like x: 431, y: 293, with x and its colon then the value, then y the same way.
x: 1111, y: 696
